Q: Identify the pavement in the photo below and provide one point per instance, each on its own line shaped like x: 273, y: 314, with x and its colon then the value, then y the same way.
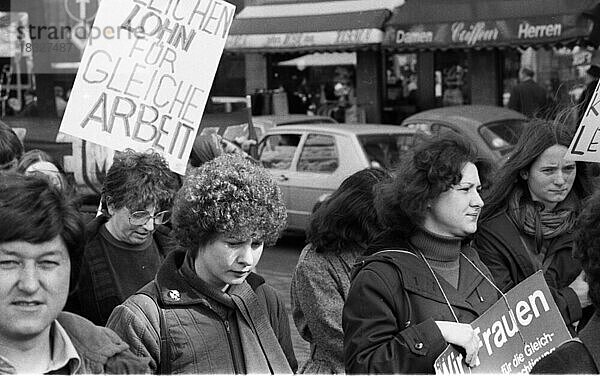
x: 277, y: 266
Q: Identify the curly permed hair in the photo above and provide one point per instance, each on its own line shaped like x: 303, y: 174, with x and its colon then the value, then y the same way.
x: 587, y: 246
x: 432, y: 167
x: 228, y: 195
x: 136, y: 180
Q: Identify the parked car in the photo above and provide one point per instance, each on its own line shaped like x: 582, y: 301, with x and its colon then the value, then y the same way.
x: 493, y: 130
x: 263, y: 123
x: 309, y: 161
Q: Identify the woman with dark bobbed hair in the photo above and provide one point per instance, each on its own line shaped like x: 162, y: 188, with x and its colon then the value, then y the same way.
x: 421, y: 284
x: 530, y: 214
x: 338, y: 233
x: 583, y: 355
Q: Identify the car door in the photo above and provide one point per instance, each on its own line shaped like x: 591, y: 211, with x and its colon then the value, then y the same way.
x: 277, y: 153
x: 323, y: 163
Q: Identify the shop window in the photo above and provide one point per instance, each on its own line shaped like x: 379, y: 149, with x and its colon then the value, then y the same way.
x: 277, y: 151
x: 319, y: 154
x: 452, y: 78
x: 401, y: 87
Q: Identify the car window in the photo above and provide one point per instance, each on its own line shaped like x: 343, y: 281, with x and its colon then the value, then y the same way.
x: 236, y: 131
x: 502, y: 135
x: 428, y: 128
x: 319, y: 154
x: 277, y: 151
x: 309, y: 121
x: 384, y: 150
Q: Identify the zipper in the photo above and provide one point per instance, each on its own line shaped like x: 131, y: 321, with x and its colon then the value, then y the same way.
x: 234, y: 359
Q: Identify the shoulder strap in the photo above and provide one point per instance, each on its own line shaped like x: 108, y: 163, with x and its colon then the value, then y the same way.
x: 361, y: 263
x: 152, y: 291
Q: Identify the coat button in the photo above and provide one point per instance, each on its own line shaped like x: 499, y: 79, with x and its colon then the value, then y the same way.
x: 419, y: 345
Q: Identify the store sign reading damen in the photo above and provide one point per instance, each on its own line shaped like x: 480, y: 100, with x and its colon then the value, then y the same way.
x: 147, y: 89
x: 413, y: 37
x: 515, y: 334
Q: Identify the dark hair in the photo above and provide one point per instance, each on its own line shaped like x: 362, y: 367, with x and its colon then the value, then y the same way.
x: 537, y: 137
x: 136, y: 180
x: 431, y: 168
x: 11, y: 147
x: 35, y: 211
x: 586, y: 247
x: 527, y: 72
x: 36, y: 155
x: 347, y: 219
x: 228, y: 195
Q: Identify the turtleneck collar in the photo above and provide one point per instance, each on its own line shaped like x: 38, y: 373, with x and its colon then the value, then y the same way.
x: 436, y: 247
x: 189, y: 273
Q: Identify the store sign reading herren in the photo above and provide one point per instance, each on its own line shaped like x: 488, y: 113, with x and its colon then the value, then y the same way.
x: 514, y: 334
x: 144, y: 81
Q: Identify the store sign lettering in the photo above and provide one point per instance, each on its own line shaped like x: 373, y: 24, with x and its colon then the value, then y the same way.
x: 473, y: 34
x: 290, y: 40
x: 411, y: 37
x: 528, y: 31
x: 353, y: 36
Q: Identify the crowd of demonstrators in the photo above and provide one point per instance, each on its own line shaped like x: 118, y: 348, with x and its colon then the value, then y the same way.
x: 125, y: 246
x: 11, y: 148
x: 420, y: 284
x: 582, y: 355
x: 527, y: 224
x: 206, y: 311
x: 338, y: 233
x: 40, y: 250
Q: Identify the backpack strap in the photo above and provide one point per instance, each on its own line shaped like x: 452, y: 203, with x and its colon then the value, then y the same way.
x: 152, y: 291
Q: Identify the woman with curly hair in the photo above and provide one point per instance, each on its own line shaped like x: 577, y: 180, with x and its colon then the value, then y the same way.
x: 420, y: 284
x: 206, y: 311
x: 582, y: 356
x: 126, y: 245
x: 338, y: 233
x: 529, y: 218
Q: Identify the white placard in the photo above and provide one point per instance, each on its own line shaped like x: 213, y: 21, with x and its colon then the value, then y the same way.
x: 145, y: 76
x: 585, y: 146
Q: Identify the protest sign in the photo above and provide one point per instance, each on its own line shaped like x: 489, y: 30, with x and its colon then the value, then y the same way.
x: 515, y: 333
x: 585, y: 146
x: 145, y: 76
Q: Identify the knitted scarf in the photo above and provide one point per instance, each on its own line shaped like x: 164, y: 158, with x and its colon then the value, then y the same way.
x: 531, y: 220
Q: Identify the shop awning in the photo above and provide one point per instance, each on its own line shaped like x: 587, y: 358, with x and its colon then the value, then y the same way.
x: 318, y: 59
x: 441, y: 24
x: 316, y: 26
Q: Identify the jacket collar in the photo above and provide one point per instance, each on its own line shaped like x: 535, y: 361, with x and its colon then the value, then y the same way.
x: 419, y: 279
x: 589, y: 337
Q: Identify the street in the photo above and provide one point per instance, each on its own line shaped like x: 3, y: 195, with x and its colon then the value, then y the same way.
x: 276, y: 266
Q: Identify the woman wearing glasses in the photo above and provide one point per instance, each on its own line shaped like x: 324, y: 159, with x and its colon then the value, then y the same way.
x: 125, y: 246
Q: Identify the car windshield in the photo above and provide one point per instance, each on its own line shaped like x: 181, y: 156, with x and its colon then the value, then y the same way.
x: 384, y: 150
x: 502, y: 135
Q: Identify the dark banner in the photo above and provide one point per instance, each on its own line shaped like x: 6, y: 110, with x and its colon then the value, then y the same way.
x: 473, y: 34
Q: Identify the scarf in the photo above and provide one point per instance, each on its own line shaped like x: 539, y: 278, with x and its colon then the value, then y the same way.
x: 530, y: 218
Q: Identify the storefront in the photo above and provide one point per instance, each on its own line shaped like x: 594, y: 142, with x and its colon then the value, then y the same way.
x: 336, y: 47
x: 448, y: 52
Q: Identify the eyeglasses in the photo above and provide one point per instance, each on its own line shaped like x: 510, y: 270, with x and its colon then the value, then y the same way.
x: 140, y: 218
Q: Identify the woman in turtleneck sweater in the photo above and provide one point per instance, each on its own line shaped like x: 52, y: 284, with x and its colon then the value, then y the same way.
x: 420, y: 284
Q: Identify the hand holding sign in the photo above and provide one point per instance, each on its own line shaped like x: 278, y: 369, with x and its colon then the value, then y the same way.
x: 464, y: 336
x: 144, y: 81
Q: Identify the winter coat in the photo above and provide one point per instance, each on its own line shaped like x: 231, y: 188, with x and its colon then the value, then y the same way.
x: 319, y: 289
x: 501, y: 248
x: 528, y: 98
x: 198, y: 339
x: 576, y: 356
x: 97, y: 293
x: 393, y: 303
x: 100, y: 349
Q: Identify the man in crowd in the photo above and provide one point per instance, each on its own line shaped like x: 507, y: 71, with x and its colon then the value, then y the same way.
x: 126, y: 245
x: 40, y: 249
x: 528, y: 97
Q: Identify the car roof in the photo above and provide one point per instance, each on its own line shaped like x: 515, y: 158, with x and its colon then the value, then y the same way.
x: 469, y: 114
x: 343, y: 128
x: 293, y: 118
